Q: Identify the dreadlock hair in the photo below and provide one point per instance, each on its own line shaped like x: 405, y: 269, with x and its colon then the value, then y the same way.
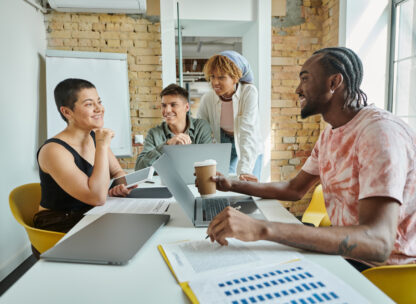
x: 345, y: 61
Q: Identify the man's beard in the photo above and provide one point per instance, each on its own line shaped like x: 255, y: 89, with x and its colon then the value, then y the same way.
x: 308, y: 110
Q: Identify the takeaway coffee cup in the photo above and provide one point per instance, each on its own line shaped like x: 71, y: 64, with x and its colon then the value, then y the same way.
x: 203, y: 171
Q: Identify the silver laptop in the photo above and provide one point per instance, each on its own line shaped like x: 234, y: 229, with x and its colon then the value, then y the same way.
x: 113, y: 239
x: 201, y: 210
x: 184, y: 156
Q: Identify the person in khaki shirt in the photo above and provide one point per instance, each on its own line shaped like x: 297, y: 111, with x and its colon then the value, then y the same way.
x: 178, y: 128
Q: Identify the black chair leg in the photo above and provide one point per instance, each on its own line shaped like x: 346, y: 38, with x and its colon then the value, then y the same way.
x: 35, y: 253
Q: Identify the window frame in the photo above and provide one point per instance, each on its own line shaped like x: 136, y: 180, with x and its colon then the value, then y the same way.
x: 392, y: 50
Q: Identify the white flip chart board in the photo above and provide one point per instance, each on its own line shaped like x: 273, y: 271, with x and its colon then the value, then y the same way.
x: 109, y: 74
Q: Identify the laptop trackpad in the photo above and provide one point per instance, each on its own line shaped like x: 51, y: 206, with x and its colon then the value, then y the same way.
x: 247, y: 206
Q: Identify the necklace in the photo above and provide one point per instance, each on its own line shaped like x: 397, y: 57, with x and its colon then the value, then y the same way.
x: 226, y: 98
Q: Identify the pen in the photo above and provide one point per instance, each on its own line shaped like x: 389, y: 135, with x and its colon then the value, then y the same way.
x: 207, y: 237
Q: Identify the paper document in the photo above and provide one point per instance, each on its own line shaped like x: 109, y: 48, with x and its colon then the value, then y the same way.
x: 131, y: 205
x: 202, y: 258
x: 300, y: 282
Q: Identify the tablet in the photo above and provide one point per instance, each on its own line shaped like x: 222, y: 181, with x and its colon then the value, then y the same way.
x: 150, y: 192
x: 133, y: 178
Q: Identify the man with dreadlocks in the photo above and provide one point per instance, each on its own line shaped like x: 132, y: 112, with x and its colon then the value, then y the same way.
x: 365, y: 161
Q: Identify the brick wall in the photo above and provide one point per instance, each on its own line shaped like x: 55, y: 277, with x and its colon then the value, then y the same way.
x: 292, y: 137
x: 138, y: 37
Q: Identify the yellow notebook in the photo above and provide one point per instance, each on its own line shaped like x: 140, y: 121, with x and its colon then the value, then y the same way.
x: 184, y: 285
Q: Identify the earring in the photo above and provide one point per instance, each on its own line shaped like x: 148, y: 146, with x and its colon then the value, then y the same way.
x: 332, y: 91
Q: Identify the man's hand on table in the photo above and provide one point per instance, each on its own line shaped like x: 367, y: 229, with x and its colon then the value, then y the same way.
x: 232, y: 223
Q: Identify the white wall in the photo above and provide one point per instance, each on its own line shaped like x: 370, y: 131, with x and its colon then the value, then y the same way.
x: 257, y: 50
x: 364, y: 27
x: 226, y: 10
x: 22, y: 117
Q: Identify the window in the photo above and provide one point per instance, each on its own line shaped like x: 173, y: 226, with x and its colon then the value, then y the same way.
x: 402, y: 83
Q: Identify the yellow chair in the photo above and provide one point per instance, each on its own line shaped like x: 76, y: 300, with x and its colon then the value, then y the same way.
x: 24, y: 203
x: 396, y: 281
x: 316, y: 212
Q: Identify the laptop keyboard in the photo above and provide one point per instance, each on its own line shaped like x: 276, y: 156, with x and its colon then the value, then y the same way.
x: 213, y: 206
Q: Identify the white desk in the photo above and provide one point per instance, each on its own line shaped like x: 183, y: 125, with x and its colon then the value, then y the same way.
x: 146, y: 278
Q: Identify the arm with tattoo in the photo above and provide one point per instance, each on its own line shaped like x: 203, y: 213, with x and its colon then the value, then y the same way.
x: 372, y: 239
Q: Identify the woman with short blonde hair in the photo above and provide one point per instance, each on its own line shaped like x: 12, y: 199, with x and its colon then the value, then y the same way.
x: 231, y: 108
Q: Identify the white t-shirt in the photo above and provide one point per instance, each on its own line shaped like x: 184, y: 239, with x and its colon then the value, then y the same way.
x: 372, y: 155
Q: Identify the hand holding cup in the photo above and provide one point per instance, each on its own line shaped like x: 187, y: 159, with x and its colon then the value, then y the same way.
x: 203, y: 171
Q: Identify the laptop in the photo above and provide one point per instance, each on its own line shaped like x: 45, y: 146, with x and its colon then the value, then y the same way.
x: 112, y: 239
x: 184, y: 156
x: 201, y: 210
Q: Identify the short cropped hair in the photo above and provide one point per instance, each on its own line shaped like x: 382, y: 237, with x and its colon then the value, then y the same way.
x: 223, y: 65
x: 174, y: 89
x: 66, y: 93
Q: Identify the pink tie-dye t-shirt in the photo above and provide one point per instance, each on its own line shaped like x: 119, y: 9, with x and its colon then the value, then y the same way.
x: 372, y: 155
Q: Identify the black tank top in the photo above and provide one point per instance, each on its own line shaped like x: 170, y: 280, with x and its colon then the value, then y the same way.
x: 53, y: 196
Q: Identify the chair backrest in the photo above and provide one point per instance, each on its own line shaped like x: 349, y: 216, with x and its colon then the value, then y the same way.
x: 396, y: 281
x: 316, y: 213
x: 24, y: 203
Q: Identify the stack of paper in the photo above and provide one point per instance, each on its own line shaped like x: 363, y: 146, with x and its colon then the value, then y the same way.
x: 259, y: 272
x: 132, y: 205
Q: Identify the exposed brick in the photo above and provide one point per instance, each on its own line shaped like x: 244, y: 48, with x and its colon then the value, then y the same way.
x: 60, y: 34
x: 294, y: 161
x: 290, y: 111
x: 127, y: 27
x: 287, y: 147
x: 110, y: 35
x: 98, y: 27
x: 71, y: 26
x: 302, y: 139
x: 152, y: 28
x: 86, y: 34
x: 63, y: 17
x: 149, y: 113
x: 140, y: 43
x: 84, y: 18
x: 56, y: 25
x: 86, y: 49
x: 140, y: 28
x: 127, y: 43
x: 145, y: 36
x: 282, y: 154
x: 85, y: 42
x: 142, y: 67
x: 113, y: 43
x: 85, y: 26
x: 283, y: 61
x: 289, y: 139
x: 311, y: 126
x: 148, y: 60
x: 283, y: 103
x: 55, y: 42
